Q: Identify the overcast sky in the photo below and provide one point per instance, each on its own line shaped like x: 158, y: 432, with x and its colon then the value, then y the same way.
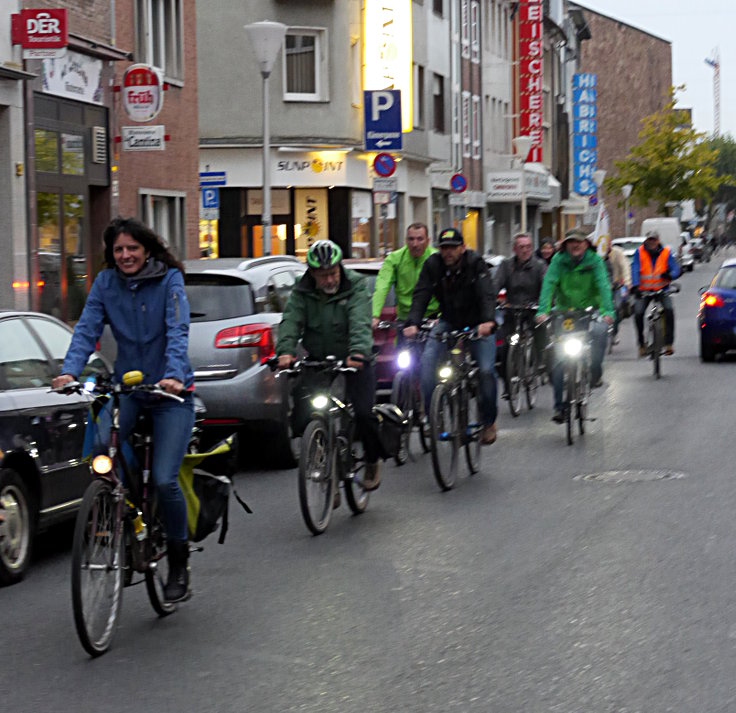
x: 695, y: 29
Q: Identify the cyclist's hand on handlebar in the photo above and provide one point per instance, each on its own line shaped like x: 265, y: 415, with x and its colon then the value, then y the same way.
x: 541, y: 318
x: 374, y: 322
x: 411, y: 332
x: 285, y: 361
x: 486, y: 328
x: 355, y: 361
x: 61, y: 381
x: 608, y: 319
x: 171, y: 386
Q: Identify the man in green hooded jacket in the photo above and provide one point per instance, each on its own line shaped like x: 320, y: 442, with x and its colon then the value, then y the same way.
x: 577, y: 279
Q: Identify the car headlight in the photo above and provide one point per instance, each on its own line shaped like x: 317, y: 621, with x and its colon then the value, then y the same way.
x: 573, y: 346
x: 101, y: 464
x: 445, y: 372
x: 319, y: 402
x: 403, y: 359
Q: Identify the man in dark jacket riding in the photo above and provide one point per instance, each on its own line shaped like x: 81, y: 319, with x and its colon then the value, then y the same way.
x: 461, y: 282
x: 329, y: 310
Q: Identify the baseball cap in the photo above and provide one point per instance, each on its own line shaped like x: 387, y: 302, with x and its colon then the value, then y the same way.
x: 450, y: 236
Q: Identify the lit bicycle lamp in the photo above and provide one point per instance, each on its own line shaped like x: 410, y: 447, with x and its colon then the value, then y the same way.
x: 573, y: 347
x: 102, y: 464
x: 319, y: 402
x: 514, y: 340
x: 403, y: 359
x: 89, y: 385
x: 445, y: 372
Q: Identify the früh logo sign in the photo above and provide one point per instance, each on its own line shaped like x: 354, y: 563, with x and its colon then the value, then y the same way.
x: 40, y: 29
x: 531, y: 69
x: 142, y: 92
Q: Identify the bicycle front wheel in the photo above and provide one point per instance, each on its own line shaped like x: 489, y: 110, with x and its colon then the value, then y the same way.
x: 316, y: 477
x: 531, y: 379
x: 444, y: 437
x: 401, y: 397
x: 473, y: 427
x: 656, y: 342
x: 513, y: 378
x: 158, y: 570
x: 570, y: 402
x: 97, y: 568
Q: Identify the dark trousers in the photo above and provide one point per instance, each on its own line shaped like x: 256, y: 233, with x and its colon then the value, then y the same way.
x: 640, y: 307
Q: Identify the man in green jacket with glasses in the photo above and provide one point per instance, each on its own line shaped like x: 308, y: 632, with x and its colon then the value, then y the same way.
x: 577, y: 279
x: 401, y: 269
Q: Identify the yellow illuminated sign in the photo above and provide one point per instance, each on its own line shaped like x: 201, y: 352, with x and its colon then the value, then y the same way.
x: 387, y: 60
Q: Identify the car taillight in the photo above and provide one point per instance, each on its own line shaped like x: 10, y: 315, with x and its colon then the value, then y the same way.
x: 711, y: 300
x: 247, y: 335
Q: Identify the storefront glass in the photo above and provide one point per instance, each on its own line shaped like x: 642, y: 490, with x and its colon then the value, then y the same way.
x: 469, y: 229
x: 47, y: 150
x: 74, y: 256
x: 72, y: 154
x: 49, y: 253
x: 278, y: 240
x: 208, y: 242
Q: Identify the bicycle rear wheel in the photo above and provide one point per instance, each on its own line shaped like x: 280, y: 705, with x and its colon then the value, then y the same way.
x: 401, y: 397
x: 473, y: 426
x: 316, y: 477
x: 513, y: 378
x: 97, y: 568
x: 444, y: 437
x: 531, y: 379
x: 158, y: 570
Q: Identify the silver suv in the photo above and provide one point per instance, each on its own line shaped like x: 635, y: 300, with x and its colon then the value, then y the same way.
x: 236, y: 307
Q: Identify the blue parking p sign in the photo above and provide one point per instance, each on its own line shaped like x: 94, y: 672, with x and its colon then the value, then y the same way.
x: 210, y: 198
x: 382, y: 114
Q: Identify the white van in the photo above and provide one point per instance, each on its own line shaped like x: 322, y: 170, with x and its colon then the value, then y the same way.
x: 669, y: 232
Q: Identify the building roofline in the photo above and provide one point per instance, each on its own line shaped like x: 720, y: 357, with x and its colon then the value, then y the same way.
x: 620, y: 21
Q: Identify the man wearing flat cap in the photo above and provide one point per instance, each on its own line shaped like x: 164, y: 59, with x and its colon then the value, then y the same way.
x: 577, y: 279
x: 461, y: 282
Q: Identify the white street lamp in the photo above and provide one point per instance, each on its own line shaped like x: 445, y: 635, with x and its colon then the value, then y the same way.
x: 626, y: 191
x: 522, y: 146
x: 266, y: 39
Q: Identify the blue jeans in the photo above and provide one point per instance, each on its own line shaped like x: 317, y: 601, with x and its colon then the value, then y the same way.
x: 484, y: 353
x: 172, y: 427
x: 599, y: 342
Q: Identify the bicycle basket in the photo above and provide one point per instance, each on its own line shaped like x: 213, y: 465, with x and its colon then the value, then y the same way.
x: 391, y: 425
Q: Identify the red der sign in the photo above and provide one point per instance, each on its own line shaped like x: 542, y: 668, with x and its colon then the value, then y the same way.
x: 40, y: 29
x: 142, y: 92
x: 531, y: 71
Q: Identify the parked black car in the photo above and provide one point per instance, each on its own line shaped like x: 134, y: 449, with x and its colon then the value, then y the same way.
x: 42, y: 476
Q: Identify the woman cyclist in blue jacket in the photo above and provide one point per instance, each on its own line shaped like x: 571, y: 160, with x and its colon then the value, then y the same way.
x: 141, y: 296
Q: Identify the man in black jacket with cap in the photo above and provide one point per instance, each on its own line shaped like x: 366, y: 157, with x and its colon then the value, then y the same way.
x: 461, y: 282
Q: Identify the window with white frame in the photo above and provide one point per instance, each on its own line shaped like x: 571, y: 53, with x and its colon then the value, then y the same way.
x: 474, y: 32
x: 475, y: 123
x: 305, y: 64
x: 165, y: 213
x: 466, y: 138
x: 465, y: 28
x: 160, y: 36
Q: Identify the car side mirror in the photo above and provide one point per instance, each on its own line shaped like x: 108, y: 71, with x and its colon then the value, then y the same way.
x: 702, y: 289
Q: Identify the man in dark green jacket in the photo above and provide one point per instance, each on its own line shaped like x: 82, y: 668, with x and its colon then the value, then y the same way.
x: 329, y: 310
x: 576, y: 279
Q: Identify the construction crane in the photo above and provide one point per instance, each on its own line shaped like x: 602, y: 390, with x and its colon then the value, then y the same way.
x: 715, y: 61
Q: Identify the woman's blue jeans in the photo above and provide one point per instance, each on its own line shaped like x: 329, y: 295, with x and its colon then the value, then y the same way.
x: 172, y: 428
x: 482, y: 350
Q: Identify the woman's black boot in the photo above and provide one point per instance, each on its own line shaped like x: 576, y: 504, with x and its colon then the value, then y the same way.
x: 177, y: 586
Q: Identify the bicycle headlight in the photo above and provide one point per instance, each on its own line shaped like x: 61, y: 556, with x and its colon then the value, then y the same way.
x: 101, y: 464
x: 319, y: 402
x: 514, y: 340
x: 403, y: 359
x: 445, y: 372
x: 573, y: 346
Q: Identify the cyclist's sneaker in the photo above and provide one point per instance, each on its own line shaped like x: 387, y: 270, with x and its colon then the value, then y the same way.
x: 488, y: 435
x: 668, y: 350
x: 372, y: 476
x: 558, y: 416
x: 642, y: 351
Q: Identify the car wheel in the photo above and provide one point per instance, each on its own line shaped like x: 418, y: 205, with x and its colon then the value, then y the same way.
x: 16, y: 533
x: 707, y: 352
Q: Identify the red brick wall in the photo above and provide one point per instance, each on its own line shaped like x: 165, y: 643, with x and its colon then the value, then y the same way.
x: 634, y: 78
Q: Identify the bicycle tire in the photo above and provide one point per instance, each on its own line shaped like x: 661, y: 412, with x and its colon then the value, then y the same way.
x: 582, y: 396
x: 513, y: 379
x: 316, y: 477
x: 401, y: 397
x: 444, y: 437
x: 473, y: 425
x: 158, y: 570
x: 356, y: 495
x: 656, y: 342
x: 97, y: 549
x: 531, y: 379
x: 570, y: 401
x: 420, y: 420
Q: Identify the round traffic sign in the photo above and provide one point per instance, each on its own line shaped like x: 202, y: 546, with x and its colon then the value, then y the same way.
x: 384, y: 164
x: 458, y: 183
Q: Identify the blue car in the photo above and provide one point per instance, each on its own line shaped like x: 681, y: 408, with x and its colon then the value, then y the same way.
x: 717, y: 314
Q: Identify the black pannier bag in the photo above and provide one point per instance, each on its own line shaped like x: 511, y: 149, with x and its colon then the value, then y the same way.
x: 391, y: 425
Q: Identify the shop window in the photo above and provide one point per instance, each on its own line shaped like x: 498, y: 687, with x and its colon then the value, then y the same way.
x: 72, y: 154
x: 164, y: 213
x: 305, y: 64
x: 49, y: 252
x: 47, y: 150
x: 75, y: 258
x: 159, y: 35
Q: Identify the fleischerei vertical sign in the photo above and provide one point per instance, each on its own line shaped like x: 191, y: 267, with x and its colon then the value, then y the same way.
x: 585, y: 127
x: 531, y: 72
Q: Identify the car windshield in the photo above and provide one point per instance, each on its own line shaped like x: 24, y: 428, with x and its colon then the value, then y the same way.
x: 214, y: 297
x: 726, y: 278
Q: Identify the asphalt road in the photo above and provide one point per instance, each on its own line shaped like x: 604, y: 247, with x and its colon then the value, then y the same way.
x: 525, y: 589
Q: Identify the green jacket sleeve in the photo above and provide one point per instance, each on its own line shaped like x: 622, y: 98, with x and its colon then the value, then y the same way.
x: 359, y: 314
x: 605, y: 300
x: 385, y: 278
x: 549, y: 287
x: 292, y: 324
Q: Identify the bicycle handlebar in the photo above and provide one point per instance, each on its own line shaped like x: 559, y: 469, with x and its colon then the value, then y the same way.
x: 76, y: 387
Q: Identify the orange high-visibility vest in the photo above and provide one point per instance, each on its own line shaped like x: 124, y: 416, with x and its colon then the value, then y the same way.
x: 651, y: 276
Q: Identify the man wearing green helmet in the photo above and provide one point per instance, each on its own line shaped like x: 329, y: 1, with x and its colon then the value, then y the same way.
x: 329, y: 310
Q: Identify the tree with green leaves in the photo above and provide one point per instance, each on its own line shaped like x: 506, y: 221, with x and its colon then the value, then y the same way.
x: 671, y: 162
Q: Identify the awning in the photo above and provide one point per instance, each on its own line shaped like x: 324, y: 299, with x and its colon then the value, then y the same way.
x: 555, y: 188
x: 7, y: 72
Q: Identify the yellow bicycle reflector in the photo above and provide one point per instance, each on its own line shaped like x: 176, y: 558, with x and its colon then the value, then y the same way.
x: 102, y: 464
x: 132, y: 378
x: 568, y: 325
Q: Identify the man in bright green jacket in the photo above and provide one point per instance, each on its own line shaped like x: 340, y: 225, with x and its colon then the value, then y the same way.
x: 401, y: 269
x: 577, y: 279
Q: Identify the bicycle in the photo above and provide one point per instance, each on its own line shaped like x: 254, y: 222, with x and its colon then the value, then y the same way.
x: 406, y: 392
x: 655, y: 319
x: 522, y: 370
x: 327, y: 456
x: 573, y: 343
x: 118, y: 531
x: 454, y: 414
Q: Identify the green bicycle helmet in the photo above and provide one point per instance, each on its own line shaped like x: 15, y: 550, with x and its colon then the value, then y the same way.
x: 324, y: 254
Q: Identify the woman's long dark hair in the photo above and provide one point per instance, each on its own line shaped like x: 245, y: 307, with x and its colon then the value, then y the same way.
x: 140, y: 233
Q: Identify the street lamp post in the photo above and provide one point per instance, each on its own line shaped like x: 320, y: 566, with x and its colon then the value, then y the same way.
x: 266, y: 39
x: 522, y: 146
x: 626, y: 191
